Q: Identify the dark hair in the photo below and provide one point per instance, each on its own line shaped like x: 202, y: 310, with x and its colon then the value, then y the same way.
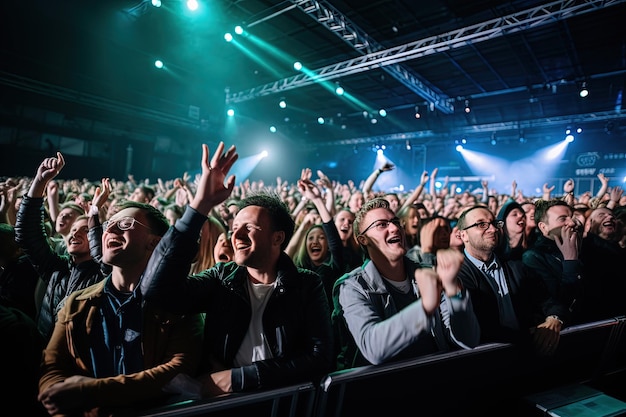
x: 175, y: 208
x: 279, y: 212
x: 542, y: 207
x: 462, y: 222
x: 148, y: 191
x: 157, y: 221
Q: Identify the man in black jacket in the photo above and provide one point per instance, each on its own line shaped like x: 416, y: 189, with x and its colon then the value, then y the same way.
x: 555, y: 255
x: 63, y: 274
x: 508, y: 300
x: 267, y: 321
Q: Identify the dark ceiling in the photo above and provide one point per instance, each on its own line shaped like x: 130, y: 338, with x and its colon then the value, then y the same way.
x: 518, y: 65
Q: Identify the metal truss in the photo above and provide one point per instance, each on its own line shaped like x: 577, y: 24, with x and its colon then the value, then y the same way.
x: 351, y: 34
x: 515, y: 22
x: 469, y: 130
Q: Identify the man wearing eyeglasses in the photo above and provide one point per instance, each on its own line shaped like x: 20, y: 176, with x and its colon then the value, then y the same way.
x: 390, y: 308
x: 112, y: 347
x: 507, y: 298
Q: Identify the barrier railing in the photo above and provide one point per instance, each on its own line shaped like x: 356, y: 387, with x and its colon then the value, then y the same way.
x: 488, y: 380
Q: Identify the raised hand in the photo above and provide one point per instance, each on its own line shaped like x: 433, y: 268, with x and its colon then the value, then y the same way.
x: 429, y: 286
x: 211, y: 190
x: 101, y: 195
x: 47, y: 170
x: 568, y: 187
x: 448, y: 265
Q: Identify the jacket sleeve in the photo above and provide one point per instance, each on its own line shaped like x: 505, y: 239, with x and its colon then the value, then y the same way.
x: 459, y: 319
x: 379, y: 338
x: 563, y: 281
x: 95, y: 243
x: 180, y: 353
x: 30, y: 234
x: 165, y: 282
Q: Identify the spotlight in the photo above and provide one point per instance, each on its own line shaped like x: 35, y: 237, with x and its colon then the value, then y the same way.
x: 297, y: 66
x: 158, y: 63
x: 156, y: 3
x: 238, y: 30
x: 569, y: 138
x: 459, y: 148
x: 467, y: 107
x: 320, y: 120
x: 228, y: 37
x: 408, y: 145
x: 584, y: 92
x: 339, y: 90
x: 230, y: 112
x: 579, y: 130
x: 273, y: 129
x: 382, y: 112
x: 417, y: 112
x: 192, y: 5
x: 282, y: 103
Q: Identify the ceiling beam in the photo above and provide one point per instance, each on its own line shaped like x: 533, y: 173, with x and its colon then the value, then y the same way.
x: 333, y: 20
x: 512, y: 23
x: 515, y: 126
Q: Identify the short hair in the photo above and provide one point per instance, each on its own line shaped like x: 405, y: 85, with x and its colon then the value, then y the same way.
x: 175, y: 208
x: 542, y: 206
x: 156, y: 219
x: 374, y: 203
x: 148, y: 191
x: 462, y: 221
x: 78, y: 209
x: 280, y: 217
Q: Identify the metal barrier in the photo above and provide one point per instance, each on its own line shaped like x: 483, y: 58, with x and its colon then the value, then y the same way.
x: 489, y: 380
x: 292, y: 401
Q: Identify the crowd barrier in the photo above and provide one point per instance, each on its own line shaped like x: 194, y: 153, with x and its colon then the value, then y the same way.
x: 490, y: 380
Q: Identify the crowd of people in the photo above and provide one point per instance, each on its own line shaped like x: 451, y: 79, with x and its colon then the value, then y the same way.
x: 135, y: 294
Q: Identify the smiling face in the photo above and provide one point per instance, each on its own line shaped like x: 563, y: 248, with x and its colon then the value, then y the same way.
x: 64, y: 220
x: 516, y: 222
x: 382, y: 243
x: 223, y: 251
x: 343, y: 222
x: 77, y: 242
x: 480, y: 243
x: 255, y: 244
x: 316, y: 245
x: 131, y: 247
x: 557, y: 217
x: 603, y: 223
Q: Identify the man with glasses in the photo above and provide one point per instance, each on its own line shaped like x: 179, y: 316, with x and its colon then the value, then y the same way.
x: 112, y: 348
x: 507, y: 298
x: 390, y: 308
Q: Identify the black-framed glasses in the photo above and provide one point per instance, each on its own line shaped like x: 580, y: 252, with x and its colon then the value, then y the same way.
x: 498, y: 224
x: 382, y: 224
x: 123, y: 223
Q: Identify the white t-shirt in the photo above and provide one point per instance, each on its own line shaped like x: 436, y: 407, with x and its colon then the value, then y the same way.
x: 254, y: 346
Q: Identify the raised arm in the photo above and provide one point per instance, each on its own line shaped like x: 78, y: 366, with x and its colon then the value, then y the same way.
x: 417, y: 192
x: 369, y: 182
